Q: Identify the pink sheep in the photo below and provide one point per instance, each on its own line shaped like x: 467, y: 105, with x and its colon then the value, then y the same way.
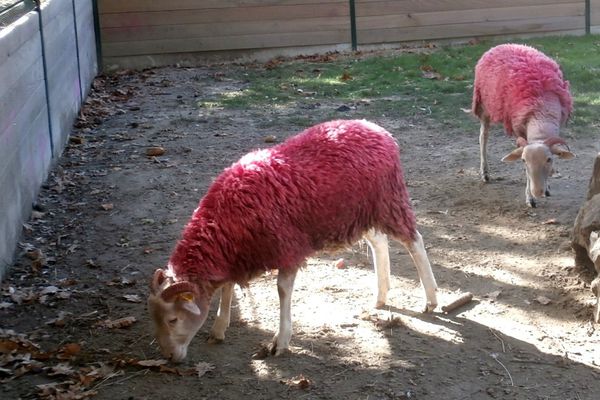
x: 323, y: 189
x: 524, y: 89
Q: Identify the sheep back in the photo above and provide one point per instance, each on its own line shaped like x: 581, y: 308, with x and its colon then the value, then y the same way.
x: 322, y: 188
x: 510, y: 83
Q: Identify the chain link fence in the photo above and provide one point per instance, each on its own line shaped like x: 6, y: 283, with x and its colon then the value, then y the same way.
x: 11, y: 10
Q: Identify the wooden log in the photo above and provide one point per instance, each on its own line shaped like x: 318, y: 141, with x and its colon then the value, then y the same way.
x: 461, y: 301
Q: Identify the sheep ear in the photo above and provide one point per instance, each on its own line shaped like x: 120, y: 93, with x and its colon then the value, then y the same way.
x: 190, y: 306
x: 513, y: 155
x: 157, y: 280
x: 561, y: 151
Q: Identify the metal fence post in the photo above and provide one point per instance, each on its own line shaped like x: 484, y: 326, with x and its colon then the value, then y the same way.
x: 588, y: 12
x: 97, y: 35
x: 45, y: 67
x: 77, y: 52
x: 353, y: 25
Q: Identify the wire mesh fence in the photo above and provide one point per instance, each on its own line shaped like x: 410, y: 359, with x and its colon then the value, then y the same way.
x: 11, y: 10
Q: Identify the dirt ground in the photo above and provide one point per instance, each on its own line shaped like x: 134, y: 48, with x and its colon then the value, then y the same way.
x: 109, y: 215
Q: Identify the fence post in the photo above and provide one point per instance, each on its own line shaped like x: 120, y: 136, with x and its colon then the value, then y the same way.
x: 45, y: 67
x: 353, y: 25
x: 97, y: 35
x: 77, y: 53
x: 588, y: 12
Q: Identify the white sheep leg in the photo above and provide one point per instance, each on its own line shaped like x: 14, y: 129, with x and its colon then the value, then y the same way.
x: 484, y: 132
x: 217, y: 332
x: 381, y: 261
x: 285, y: 287
x: 417, y: 251
x: 529, y: 199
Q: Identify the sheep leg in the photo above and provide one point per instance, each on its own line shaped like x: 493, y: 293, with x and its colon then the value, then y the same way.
x: 217, y: 332
x: 285, y: 287
x: 529, y: 199
x: 484, y: 132
x: 416, y: 249
x: 381, y: 261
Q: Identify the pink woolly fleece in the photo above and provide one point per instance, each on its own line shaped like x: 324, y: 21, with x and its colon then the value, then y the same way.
x: 510, y: 83
x: 322, y: 188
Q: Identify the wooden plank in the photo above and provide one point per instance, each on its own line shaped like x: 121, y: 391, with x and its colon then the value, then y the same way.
x: 238, y: 14
x: 453, y: 31
x: 595, y: 12
x: 128, y: 34
x: 469, y: 16
x: 225, y: 43
x: 368, y: 8
x: 87, y: 44
x: 120, y: 6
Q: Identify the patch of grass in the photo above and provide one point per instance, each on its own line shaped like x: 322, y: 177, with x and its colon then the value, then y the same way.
x: 431, y: 83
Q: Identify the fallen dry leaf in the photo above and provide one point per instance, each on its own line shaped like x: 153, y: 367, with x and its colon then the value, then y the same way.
x: 494, y: 295
x: 202, y: 368
x: 60, y: 320
x: 300, y: 381
x: 346, y: 77
x: 543, y: 300
x: 124, y: 322
x: 155, y: 151
x: 270, y: 139
x: 151, y: 363
x: 61, y: 369
x: 339, y: 264
x: 49, y: 290
x: 551, y: 221
x: 70, y: 349
x: 107, y: 206
x: 134, y: 298
x: 431, y: 75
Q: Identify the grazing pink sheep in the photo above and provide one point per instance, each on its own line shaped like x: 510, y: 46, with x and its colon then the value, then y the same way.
x: 523, y: 89
x: 324, y: 188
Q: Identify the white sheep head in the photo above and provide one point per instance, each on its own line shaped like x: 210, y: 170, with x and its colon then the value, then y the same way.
x: 178, y: 310
x: 538, y: 158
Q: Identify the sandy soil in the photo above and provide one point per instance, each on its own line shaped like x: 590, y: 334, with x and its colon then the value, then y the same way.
x: 109, y: 215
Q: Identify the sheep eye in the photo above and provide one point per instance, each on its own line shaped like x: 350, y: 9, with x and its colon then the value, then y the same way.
x: 549, y: 159
x: 173, y: 321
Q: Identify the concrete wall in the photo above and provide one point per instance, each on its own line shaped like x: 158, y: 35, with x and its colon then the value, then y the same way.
x: 37, y: 104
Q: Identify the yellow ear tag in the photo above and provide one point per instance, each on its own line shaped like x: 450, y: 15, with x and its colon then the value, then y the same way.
x: 186, y: 296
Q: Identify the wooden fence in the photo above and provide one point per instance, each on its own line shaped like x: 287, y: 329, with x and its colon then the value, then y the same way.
x: 143, y: 33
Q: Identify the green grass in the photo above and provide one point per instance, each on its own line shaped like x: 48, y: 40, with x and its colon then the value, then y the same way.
x: 396, y: 85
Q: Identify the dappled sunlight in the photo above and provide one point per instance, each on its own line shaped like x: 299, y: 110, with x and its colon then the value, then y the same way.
x: 433, y: 329
x: 232, y: 94
x: 319, y: 80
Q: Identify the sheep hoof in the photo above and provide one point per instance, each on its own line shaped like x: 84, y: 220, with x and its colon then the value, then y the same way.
x: 429, y: 307
x: 380, y: 304
x: 485, y: 177
x: 277, y: 351
x: 547, y: 193
x: 531, y: 203
x: 214, y: 340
